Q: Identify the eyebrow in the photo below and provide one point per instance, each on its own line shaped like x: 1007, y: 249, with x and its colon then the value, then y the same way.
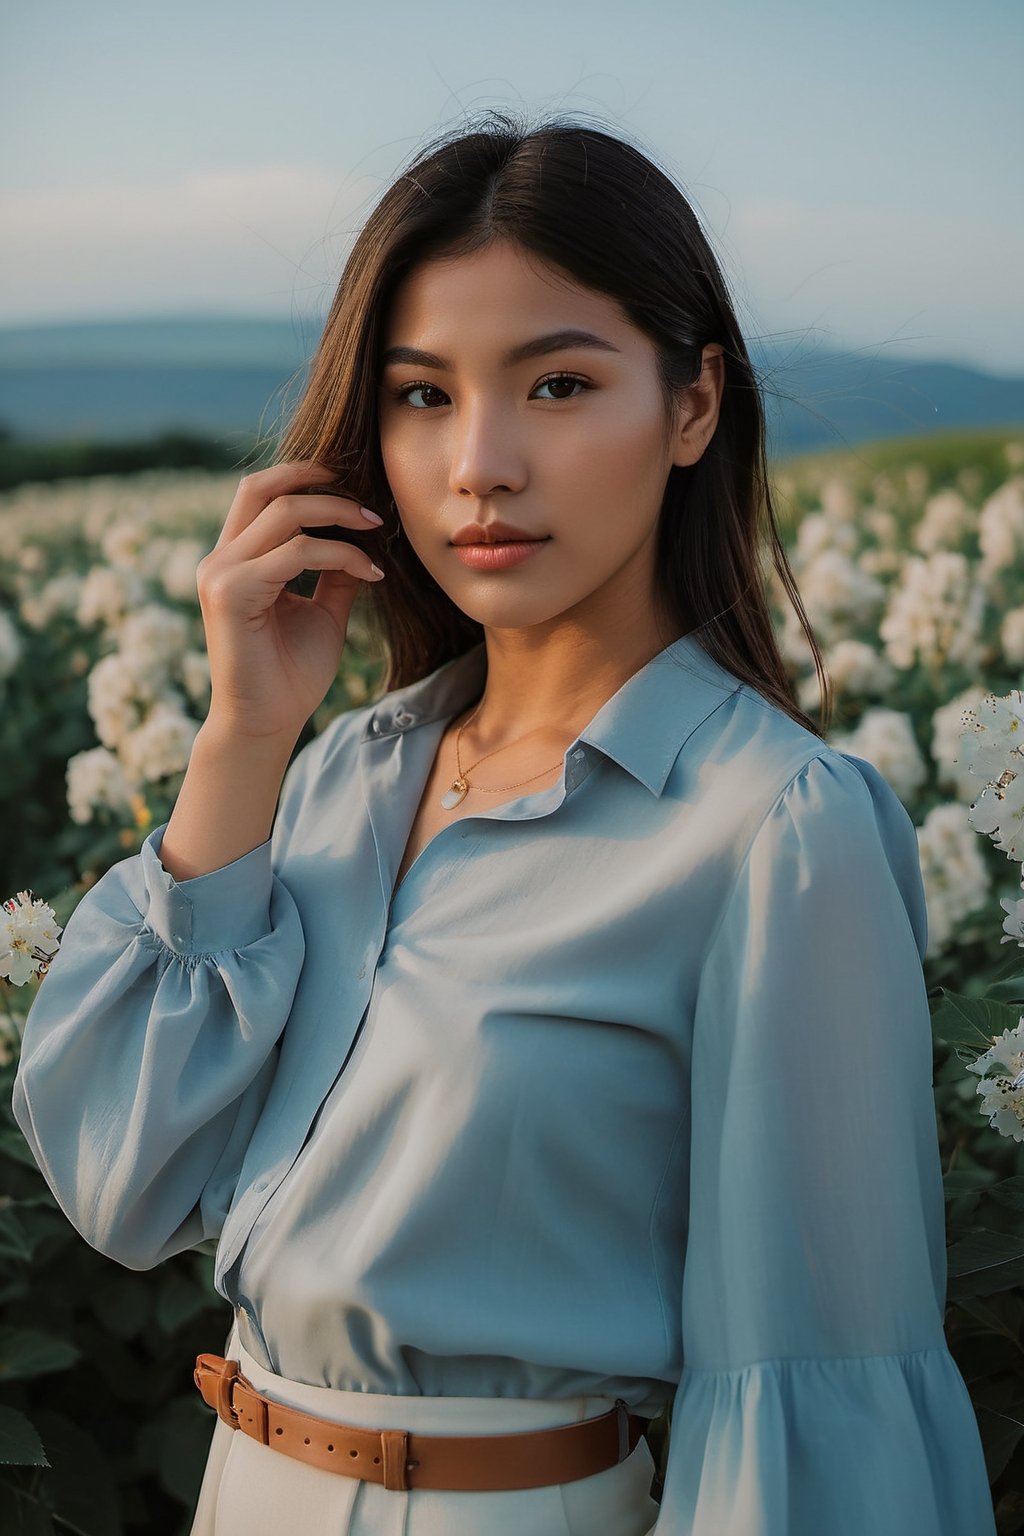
x: 556, y: 341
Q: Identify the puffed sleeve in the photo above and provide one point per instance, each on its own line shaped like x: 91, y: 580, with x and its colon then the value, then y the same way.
x: 818, y: 1393
x: 150, y: 1046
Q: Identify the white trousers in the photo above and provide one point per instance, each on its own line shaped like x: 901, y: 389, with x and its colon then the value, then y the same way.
x: 250, y: 1490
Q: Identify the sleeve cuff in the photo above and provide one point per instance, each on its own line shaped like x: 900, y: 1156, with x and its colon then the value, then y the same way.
x: 225, y: 909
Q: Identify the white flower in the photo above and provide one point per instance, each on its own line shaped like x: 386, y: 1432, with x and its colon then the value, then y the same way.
x: 123, y: 542
x: 838, y: 501
x: 1013, y: 923
x: 838, y: 595
x: 1001, y: 528
x: 947, y: 517
x: 882, y: 524
x: 108, y: 593
x: 60, y: 595
x: 28, y: 938
x: 991, y: 748
x: 152, y: 640
x: 1003, y: 1092
x: 195, y: 674
x: 96, y: 778
x: 935, y: 614
x: 999, y: 812
x: 161, y: 745
x: 856, y: 669
x: 817, y: 533
x: 949, y: 723
x: 178, y: 572
x: 993, y: 736
x: 955, y: 876
x: 1011, y: 635
x: 116, y: 697
x: 886, y: 738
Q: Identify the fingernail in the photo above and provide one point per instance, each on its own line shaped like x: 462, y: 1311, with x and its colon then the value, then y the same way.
x: 371, y: 516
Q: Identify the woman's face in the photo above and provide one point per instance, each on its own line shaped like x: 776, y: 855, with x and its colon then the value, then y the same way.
x: 579, y: 462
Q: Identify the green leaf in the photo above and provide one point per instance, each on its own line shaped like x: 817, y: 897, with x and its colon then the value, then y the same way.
x: 970, y: 1021
x: 1002, y: 1314
x: 20, y: 1444
x: 25, y: 1352
x: 983, y: 1262
x: 967, y: 1181
x: 1010, y: 967
x: 1010, y: 990
x: 1009, y: 1192
x: 81, y: 1483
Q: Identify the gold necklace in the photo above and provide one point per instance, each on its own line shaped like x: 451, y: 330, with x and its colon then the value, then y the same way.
x: 460, y: 785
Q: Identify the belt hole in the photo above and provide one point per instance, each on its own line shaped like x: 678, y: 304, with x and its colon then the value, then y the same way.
x: 376, y: 1458
x: 306, y: 1441
x: 278, y: 1431
x: 353, y: 1453
x: 330, y: 1447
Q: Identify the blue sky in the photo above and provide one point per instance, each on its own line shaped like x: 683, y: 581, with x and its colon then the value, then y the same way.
x: 858, y: 169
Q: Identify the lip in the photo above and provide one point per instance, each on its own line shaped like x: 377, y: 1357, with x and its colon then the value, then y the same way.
x: 497, y: 557
x: 494, y: 533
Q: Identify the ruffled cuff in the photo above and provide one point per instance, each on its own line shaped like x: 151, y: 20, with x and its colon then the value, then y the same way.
x: 879, y: 1444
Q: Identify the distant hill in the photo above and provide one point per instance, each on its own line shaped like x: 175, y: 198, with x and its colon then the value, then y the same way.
x: 231, y: 378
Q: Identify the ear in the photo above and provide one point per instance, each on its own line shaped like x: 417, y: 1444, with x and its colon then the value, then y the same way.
x: 699, y: 407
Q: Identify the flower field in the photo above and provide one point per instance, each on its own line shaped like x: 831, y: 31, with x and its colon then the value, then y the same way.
x: 912, y: 575
x: 909, y: 558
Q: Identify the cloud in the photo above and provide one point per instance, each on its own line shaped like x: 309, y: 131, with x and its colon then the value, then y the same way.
x: 258, y: 240
x: 273, y: 240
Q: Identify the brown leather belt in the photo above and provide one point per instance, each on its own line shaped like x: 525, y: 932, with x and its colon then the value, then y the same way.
x: 401, y: 1459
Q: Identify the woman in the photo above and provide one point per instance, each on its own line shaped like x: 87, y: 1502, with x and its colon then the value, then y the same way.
x: 552, y: 1045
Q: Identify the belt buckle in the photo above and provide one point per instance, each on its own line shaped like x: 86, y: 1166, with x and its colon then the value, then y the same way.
x: 225, y: 1387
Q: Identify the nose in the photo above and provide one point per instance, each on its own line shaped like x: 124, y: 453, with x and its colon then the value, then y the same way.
x: 484, y: 455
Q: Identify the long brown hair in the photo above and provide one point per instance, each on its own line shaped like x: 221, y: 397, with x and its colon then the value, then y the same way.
x: 596, y: 207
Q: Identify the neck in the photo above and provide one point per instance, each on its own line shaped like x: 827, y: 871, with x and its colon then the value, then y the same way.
x: 550, y: 686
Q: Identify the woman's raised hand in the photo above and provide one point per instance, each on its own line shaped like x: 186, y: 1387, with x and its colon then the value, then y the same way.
x: 274, y: 654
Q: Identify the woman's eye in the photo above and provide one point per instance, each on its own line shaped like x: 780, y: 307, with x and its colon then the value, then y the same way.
x: 404, y: 392
x: 563, y: 378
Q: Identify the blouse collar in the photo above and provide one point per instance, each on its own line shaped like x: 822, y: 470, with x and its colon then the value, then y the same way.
x: 642, y: 727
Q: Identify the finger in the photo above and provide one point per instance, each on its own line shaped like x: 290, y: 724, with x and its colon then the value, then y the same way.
x: 287, y: 516
x: 283, y: 563
x: 261, y: 486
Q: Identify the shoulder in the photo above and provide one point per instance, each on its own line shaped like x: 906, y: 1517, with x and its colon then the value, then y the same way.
x: 764, y: 779
x: 763, y: 760
x: 822, y: 818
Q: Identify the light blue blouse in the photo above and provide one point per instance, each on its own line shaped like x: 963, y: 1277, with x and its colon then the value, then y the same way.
x: 625, y: 1089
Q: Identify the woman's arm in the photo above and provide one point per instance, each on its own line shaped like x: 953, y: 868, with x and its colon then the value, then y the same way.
x: 818, y: 1393
x: 151, y: 1044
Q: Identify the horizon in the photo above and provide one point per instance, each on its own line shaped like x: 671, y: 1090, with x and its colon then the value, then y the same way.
x: 222, y: 169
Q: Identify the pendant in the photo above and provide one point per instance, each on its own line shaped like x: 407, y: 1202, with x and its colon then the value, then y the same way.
x: 452, y: 797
